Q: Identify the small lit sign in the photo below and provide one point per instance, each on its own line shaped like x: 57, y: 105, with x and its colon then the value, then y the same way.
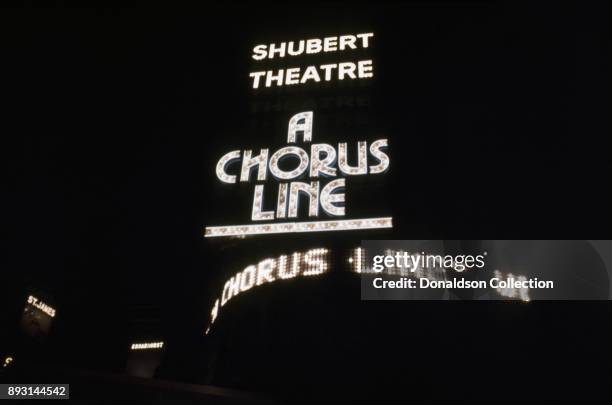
x: 147, y: 346
x: 41, y: 305
x: 7, y: 362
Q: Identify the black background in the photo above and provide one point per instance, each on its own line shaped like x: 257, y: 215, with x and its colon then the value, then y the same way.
x: 115, y: 118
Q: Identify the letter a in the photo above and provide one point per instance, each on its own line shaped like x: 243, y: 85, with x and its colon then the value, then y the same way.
x: 300, y: 122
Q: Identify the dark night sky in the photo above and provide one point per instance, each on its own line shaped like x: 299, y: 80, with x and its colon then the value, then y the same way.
x: 116, y: 117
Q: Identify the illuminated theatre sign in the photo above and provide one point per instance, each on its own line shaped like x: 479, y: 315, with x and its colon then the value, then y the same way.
x: 320, y: 162
x: 147, y: 346
x: 41, y: 306
x: 362, y: 69
x: 318, y: 261
x: 299, y: 264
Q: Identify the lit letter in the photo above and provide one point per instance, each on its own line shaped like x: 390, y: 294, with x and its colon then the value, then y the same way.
x: 264, y: 271
x: 347, y: 68
x: 318, y: 165
x: 328, y: 70
x: 362, y: 160
x: 293, y: 52
x: 284, y: 152
x: 292, y: 76
x: 328, y: 199
x: 313, y: 46
x: 300, y: 122
x: 364, y: 38
x: 247, y: 279
x: 281, y: 204
x: 278, y: 78
x: 256, y: 76
x: 315, y: 262
x: 222, y: 164
x: 249, y: 162
x: 280, y: 50
x: 231, y: 289
x: 312, y: 190
x: 347, y: 40
x: 310, y: 74
x: 375, y: 150
x: 364, y: 69
x: 215, y: 311
x: 257, y: 213
x: 295, y: 266
x: 259, y: 52
x: 330, y: 44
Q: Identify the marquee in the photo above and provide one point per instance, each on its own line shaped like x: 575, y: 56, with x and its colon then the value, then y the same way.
x: 320, y: 162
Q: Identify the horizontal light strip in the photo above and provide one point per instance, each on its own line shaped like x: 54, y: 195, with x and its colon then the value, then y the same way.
x: 296, y: 227
x: 147, y: 346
